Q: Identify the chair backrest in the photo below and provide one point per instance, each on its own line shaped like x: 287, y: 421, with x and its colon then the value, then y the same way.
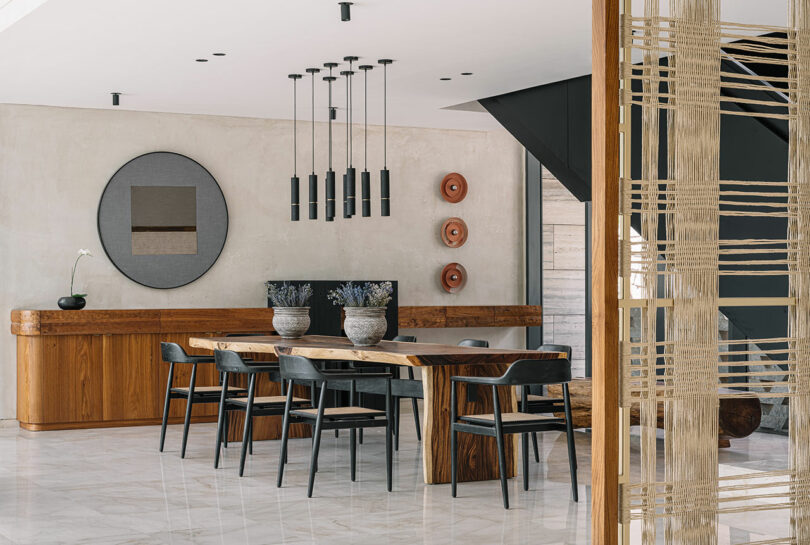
x: 229, y: 361
x: 404, y: 339
x: 174, y: 353
x: 556, y: 348
x: 539, y: 372
x: 299, y: 368
x: 477, y: 343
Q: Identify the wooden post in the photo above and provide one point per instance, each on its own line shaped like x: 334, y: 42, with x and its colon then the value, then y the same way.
x: 605, y: 257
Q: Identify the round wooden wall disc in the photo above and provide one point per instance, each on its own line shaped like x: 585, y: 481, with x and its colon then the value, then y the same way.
x: 454, y: 187
x: 454, y: 232
x: 453, y: 277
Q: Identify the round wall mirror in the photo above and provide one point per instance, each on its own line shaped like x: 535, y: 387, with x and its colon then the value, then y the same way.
x: 163, y: 220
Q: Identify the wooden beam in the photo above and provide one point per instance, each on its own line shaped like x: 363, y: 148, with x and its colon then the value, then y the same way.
x: 470, y: 316
x: 605, y: 256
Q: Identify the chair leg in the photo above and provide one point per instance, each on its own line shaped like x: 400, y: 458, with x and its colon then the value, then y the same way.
x: 316, y: 444
x: 388, y: 455
x: 166, y: 405
x: 248, y: 417
x: 396, y: 423
x: 536, y: 450
x: 453, y: 462
x: 572, y: 452
x: 415, y: 406
x: 250, y: 438
x: 227, y: 430
x: 285, y: 433
x: 352, y: 437
x: 337, y: 404
x: 500, y: 442
x: 353, y: 452
x: 524, y: 441
x: 360, y: 431
x: 453, y: 441
x: 188, y: 409
x: 221, y: 419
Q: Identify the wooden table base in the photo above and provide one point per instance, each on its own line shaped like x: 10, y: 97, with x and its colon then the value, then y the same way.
x: 477, y: 454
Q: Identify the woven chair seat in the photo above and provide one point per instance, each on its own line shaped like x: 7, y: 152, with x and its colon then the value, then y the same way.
x: 507, y: 418
x: 545, y: 399
x: 209, y: 389
x: 267, y: 400
x: 338, y: 412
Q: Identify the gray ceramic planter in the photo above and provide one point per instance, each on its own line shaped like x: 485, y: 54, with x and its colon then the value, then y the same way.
x: 365, y: 326
x: 291, y: 322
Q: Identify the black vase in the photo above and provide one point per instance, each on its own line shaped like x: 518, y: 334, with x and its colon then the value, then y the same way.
x: 71, y: 303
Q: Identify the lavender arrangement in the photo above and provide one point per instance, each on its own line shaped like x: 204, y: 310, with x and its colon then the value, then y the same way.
x: 371, y: 294
x: 287, y: 295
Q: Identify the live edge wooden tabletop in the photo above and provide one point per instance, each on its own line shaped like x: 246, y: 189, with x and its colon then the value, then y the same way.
x: 478, y: 458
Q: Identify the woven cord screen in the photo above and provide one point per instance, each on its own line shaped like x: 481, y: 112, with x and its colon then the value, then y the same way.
x: 676, y: 79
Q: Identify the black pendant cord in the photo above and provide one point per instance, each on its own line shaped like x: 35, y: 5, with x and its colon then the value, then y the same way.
x: 330, y: 174
x: 350, y: 187
x: 385, y: 176
x: 313, y: 178
x: 365, y: 176
x: 365, y: 116
x: 294, y: 181
x: 346, y: 211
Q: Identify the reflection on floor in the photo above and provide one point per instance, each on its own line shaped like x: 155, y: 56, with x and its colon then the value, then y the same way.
x: 111, y: 486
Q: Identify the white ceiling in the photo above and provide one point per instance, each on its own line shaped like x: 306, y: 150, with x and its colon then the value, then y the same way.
x: 75, y: 52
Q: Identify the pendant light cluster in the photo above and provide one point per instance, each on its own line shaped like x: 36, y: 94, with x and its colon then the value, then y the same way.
x: 350, y: 177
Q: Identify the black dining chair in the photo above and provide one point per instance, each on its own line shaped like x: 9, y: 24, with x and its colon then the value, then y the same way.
x: 472, y: 393
x: 498, y: 423
x: 172, y: 354
x: 537, y: 402
x: 475, y: 343
x: 303, y: 370
x: 407, y: 388
x: 228, y: 363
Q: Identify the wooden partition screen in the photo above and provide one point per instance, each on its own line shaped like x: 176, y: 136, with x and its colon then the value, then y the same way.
x: 681, y: 69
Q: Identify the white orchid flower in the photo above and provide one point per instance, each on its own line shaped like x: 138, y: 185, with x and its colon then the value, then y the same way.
x: 85, y: 252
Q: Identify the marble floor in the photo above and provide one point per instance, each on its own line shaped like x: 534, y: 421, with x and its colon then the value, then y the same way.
x: 112, y: 486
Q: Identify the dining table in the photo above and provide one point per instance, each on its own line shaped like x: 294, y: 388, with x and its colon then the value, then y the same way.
x: 478, y: 457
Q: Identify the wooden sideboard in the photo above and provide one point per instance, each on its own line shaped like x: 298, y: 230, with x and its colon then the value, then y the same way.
x: 102, y: 368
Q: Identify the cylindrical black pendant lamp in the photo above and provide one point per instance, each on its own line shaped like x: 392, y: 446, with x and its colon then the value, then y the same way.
x: 365, y: 176
x: 330, y: 174
x: 313, y: 178
x: 346, y: 192
x: 385, y: 180
x: 351, y: 173
x: 294, y: 182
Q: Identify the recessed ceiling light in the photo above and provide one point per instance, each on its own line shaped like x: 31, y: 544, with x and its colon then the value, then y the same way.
x: 445, y: 79
x: 201, y: 60
x: 218, y: 54
x: 466, y: 73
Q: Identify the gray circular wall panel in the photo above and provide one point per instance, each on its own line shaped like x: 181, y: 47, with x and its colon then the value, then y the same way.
x: 163, y: 220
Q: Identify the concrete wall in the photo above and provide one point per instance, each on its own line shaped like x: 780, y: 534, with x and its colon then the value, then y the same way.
x: 55, y: 162
x: 564, y: 270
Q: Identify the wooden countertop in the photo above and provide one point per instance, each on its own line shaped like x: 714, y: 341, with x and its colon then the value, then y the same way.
x: 249, y: 320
